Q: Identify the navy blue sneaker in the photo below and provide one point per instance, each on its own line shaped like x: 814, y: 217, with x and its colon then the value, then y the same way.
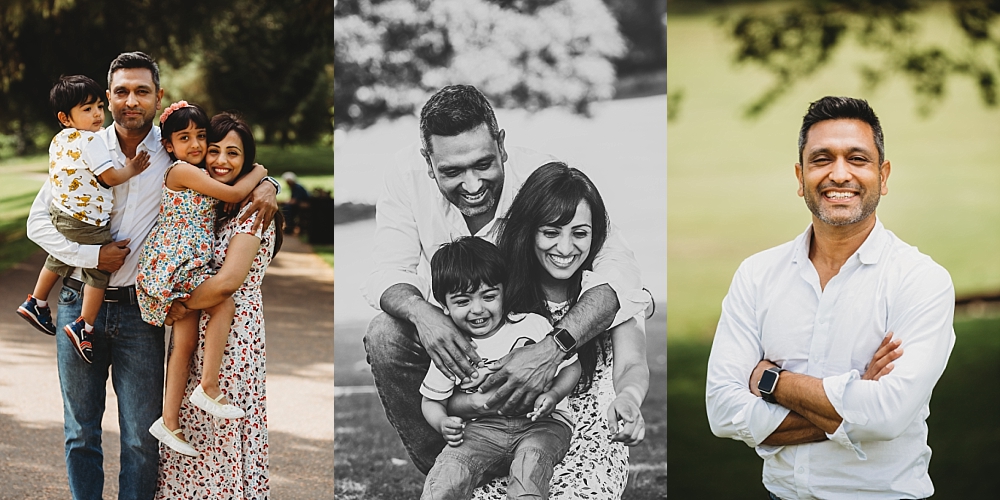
x: 39, y: 317
x: 78, y: 334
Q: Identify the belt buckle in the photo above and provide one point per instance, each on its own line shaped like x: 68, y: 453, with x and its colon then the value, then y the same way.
x: 110, y: 289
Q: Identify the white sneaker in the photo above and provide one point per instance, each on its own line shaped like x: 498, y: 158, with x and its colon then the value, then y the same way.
x: 213, y: 407
x: 169, y: 438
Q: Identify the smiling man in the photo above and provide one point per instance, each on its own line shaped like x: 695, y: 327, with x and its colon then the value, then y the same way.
x: 459, y: 181
x: 131, y: 349
x: 808, y: 363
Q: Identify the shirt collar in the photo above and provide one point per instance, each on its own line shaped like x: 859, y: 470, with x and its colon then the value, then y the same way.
x: 151, y: 143
x: 868, y: 253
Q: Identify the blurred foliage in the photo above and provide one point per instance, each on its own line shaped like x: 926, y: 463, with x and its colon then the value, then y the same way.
x: 530, y: 54
x: 796, y: 40
x: 273, y: 61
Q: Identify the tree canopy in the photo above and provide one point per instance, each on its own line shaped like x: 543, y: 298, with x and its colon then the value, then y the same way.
x: 797, y: 40
x: 272, y: 61
x: 528, y: 53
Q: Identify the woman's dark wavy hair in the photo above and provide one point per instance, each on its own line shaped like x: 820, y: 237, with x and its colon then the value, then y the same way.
x: 549, y: 197
x: 221, y: 125
x: 180, y: 120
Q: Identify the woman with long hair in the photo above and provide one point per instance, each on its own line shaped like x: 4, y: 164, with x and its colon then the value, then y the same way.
x: 232, y: 459
x: 556, y: 226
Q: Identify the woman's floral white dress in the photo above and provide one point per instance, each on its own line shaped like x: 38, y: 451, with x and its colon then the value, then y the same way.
x: 594, y: 468
x: 233, y: 460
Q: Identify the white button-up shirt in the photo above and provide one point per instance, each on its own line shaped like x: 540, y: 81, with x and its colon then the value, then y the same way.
x: 413, y: 219
x: 776, y: 310
x: 135, y: 209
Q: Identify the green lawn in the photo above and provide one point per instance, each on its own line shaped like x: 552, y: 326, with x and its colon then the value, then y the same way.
x: 732, y: 190
x: 963, y: 432
x: 20, y: 179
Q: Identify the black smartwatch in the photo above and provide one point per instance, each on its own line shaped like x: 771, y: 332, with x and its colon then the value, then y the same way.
x: 768, y: 381
x: 564, y: 341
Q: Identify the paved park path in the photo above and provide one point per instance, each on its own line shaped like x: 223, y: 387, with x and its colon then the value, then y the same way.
x: 298, y: 306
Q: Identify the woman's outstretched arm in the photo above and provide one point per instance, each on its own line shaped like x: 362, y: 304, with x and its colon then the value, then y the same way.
x: 631, y: 379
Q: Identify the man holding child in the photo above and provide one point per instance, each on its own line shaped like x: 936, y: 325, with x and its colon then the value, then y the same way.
x: 132, y: 349
x: 460, y: 182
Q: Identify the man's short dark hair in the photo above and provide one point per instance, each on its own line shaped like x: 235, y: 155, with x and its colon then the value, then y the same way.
x: 453, y: 110
x: 71, y: 91
x: 129, y: 60
x: 837, y: 108
x: 464, y: 265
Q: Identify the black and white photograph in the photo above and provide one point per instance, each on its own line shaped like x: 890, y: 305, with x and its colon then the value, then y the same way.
x: 500, y: 227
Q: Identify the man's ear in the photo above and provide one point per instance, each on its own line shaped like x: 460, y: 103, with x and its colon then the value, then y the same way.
x: 503, y: 151
x: 427, y: 158
x: 798, y: 175
x: 883, y: 177
x: 159, y: 98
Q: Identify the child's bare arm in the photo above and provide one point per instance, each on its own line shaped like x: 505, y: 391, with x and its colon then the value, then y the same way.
x: 562, y: 386
x: 451, y: 428
x: 133, y: 167
x: 187, y: 176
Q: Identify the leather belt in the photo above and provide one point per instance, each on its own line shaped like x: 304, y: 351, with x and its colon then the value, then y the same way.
x: 124, y: 294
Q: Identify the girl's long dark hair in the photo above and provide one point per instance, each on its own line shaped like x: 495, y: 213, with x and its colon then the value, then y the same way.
x: 219, y: 128
x: 549, y: 197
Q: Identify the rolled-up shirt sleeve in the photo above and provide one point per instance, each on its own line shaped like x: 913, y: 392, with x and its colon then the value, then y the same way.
x: 921, y: 317
x: 397, y: 242
x: 733, y: 411
x: 44, y: 234
x: 615, y: 265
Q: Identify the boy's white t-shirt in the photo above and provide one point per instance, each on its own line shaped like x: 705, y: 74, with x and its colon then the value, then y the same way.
x: 518, y: 331
x: 76, y: 158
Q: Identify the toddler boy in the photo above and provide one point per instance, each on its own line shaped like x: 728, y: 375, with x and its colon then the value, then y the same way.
x: 467, y: 279
x: 80, y: 176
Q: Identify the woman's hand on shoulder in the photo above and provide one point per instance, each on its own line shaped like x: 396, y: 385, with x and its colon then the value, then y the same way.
x: 625, y: 421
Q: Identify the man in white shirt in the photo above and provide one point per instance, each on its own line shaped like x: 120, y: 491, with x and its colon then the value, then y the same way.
x: 458, y: 182
x: 131, y: 348
x: 808, y: 362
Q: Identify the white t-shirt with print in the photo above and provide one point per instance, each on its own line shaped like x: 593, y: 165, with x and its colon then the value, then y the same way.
x: 518, y: 331
x: 76, y: 158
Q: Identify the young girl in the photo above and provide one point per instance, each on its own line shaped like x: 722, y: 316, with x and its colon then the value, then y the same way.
x: 175, y: 261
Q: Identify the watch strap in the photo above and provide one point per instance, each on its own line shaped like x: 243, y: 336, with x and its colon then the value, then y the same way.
x: 769, y: 396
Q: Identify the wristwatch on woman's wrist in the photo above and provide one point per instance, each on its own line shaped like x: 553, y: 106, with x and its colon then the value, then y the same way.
x: 273, y: 182
x: 564, y: 341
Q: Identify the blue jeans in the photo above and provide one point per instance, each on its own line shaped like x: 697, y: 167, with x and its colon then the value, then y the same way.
x: 498, y: 446
x: 399, y: 364
x: 134, y: 352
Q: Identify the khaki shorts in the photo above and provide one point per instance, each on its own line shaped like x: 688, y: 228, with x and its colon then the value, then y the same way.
x: 84, y: 234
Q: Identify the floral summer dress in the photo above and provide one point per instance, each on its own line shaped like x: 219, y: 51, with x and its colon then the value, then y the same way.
x: 594, y: 468
x: 175, y: 257
x: 233, y: 459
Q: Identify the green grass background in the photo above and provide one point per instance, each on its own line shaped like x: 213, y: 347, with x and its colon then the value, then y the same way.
x: 731, y: 185
x: 732, y: 193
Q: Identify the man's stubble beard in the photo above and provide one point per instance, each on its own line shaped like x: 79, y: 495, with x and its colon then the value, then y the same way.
x: 868, y: 205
